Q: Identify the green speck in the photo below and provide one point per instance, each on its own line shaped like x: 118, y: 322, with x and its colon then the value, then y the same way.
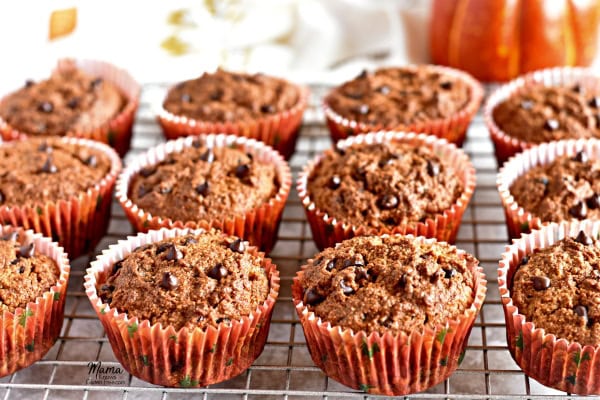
x: 144, y: 360
x: 103, y: 310
x: 39, y: 210
x: 173, y: 338
x: 98, y: 202
x: 461, y: 357
x: 258, y: 325
x: 213, y: 348
x: 571, y: 379
x: 56, y: 296
x: 365, y: 387
x: 146, y: 223
x: 23, y: 317
x: 111, y: 137
x: 444, y: 362
x: 519, y: 343
x: 525, y: 226
x: 579, y: 359
x: 131, y: 329
x: 324, y: 358
x: 229, y: 362
x: 30, y: 347
x: 369, y: 351
x: 187, y: 382
x: 442, y: 336
x: 276, y: 141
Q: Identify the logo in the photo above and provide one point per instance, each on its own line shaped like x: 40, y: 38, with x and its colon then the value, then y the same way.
x: 103, y: 375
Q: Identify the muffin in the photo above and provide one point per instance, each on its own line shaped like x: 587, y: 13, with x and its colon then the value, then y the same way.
x: 550, y: 104
x: 234, y: 184
x: 429, y: 99
x: 88, y: 99
x: 33, y: 288
x: 60, y: 187
x: 549, y: 283
x: 386, y: 182
x: 257, y: 106
x: 184, y: 308
x: 555, y: 181
x: 372, y: 304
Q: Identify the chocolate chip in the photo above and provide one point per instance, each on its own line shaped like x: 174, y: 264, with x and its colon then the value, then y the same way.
x: 594, y: 102
x: 45, y: 147
x: 29, y: 83
x: 362, y: 273
x: 161, y: 248
x: 385, y: 90
x: 551, y: 125
x: 218, y: 272
x: 388, y: 160
x: 92, y: 161
x: 48, y: 166
x: 584, y: 239
x: 169, y: 281
x: 311, y: 297
x: 186, y: 98
x: 267, y: 109
x: 593, y: 202
x: 173, y: 253
x: 524, y: 260
x: 581, y: 157
x: 590, y: 322
x: 330, y: 264
x: 45, y: 107
x: 402, y: 282
x: 526, y: 104
x: 540, y: 282
x: 363, y: 74
x: 581, y: 311
x: 237, y: 246
x: 223, y: 320
x: 334, y: 182
x: 449, y: 273
x: 15, y: 261
x: 388, y: 202
x: 146, y: 172
x: 73, y: 103
x: 10, y: 236
x: 340, y: 150
x: 21, y: 269
x: 363, y: 109
x: 347, y: 290
x: 578, y: 89
x: 242, y: 171
x: 197, y: 143
x: 433, y: 169
x: 578, y: 210
x: 27, y: 250
x: 208, y: 156
x: 190, y: 240
x: 117, y: 266
x: 202, y: 189
x: 446, y: 85
x: 356, y: 260
x: 142, y: 191
x: 107, y: 288
x: 390, y: 221
x: 96, y: 82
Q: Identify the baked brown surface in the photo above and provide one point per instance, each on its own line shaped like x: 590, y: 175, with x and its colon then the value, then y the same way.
x: 383, y: 185
x: 228, y: 96
x: 70, y: 100
x: 24, y: 274
x: 567, y: 188
x: 200, y: 183
x: 399, y: 96
x: 38, y: 170
x: 540, y: 113
x: 557, y: 289
x: 388, y: 284
x: 191, y: 281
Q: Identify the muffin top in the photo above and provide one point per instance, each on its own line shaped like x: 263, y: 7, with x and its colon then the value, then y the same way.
x: 567, y: 188
x: 557, y: 288
x: 192, y: 281
x: 388, y: 284
x: 24, y: 273
x: 39, y: 170
x: 70, y: 100
x: 399, y: 96
x: 383, y: 185
x: 225, y: 96
x: 539, y: 113
x: 201, y: 183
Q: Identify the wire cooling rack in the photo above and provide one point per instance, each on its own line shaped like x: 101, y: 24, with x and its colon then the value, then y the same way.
x: 82, y: 365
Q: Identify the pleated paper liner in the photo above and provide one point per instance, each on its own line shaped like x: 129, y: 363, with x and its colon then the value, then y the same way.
x: 328, y: 230
x: 519, y: 220
x: 279, y: 130
x: 77, y: 223
x: 505, y: 145
x: 188, y: 357
x: 453, y: 128
x: 28, y: 334
x: 259, y: 225
x: 550, y: 360
x: 385, y: 363
x: 117, y: 131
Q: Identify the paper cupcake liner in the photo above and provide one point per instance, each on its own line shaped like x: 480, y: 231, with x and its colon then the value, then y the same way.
x: 552, y: 361
x: 259, y: 226
x: 327, y: 230
x: 28, y: 334
x: 453, y: 128
x: 77, y: 223
x: 279, y: 131
x: 389, y: 364
x: 116, y: 132
x: 505, y: 145
x: 188, y: 357
x: 519, y: 220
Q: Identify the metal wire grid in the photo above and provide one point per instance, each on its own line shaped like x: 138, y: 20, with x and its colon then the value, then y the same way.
x: 285, y: 370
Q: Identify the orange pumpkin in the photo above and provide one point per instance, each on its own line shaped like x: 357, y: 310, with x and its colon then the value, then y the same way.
x: 496, y: 40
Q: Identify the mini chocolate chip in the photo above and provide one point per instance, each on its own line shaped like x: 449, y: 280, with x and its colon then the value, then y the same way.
x: 385, y: 90
x: 73, y: 103
x: 593, y: 202
x: 581, y: 157
x: 142, y: 191
x: 27, y: 250
x: 10, y: 236
x: 208, y: 156
x: 362, y: 273
x: 197, y: 143
x: 96, y: 82
x: 363, y: 74
x: 46, y: 107
x: 200, y: 318
x: 345, y: 288
x: 540, y: 282
x: 173, y: 253
x: 388, y: 202
x: 107, y: 288
x: 92, y: 161
x: 581, y: 311
x: 186, y: 98
x: 21, y: 269
x: 117, y: 266
x: 202, y: 189
x: 402, y: 281
x: 190, y: 240
x: 237, y: 246
x: 356, y: 260
x: 578, y: 89
x: 169, y: 281
x: 594, y: 102
x: 524, y: 260
x: 388, y: 160
x: 578, y: 210
x: 15, y: 261
x: 340, y: 150
x: 390, y: 221
x: 242, y: 171
x: 267, y: 109
x: 29, y: 83
x: 584, y: 239
x: 48, y: 166
x: 218, y: 272
x: 161, y: 248
x: 223, y: 320
x: 551, y: 125
x: 527, y: 104
x: 330, y: 264
x: 449, y: 273
x: 146, y: 172
x: 335, y: 182
x: 311, y: 297
x: 363, y: 109
x: 446, y: 85
x: 433, y: 169
x: 318, y: 261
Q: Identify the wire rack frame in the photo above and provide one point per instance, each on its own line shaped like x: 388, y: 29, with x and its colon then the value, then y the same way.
x: 285, y: 370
